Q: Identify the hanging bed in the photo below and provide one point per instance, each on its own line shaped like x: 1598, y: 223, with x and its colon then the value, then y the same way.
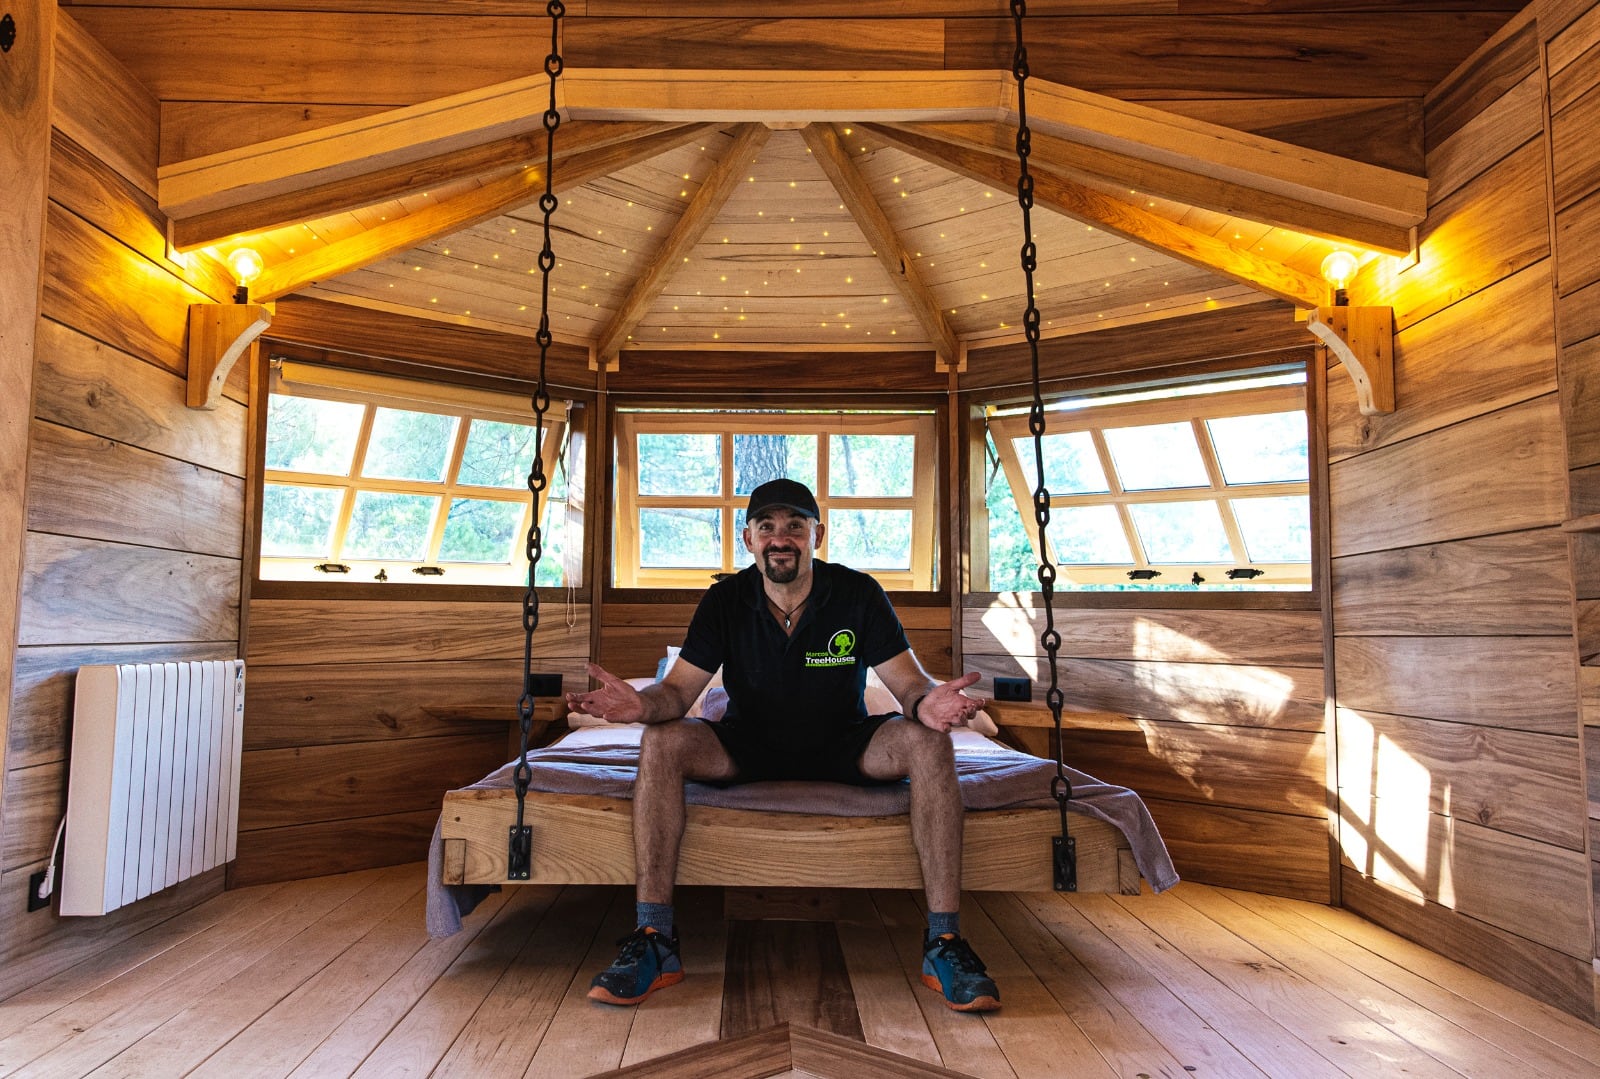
x: 784, y: 834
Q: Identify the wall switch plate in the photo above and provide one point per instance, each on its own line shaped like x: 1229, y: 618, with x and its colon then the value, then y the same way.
x: 1013, y: 689
x: 545, y: 685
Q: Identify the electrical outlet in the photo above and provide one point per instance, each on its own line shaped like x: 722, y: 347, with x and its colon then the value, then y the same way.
x: 545, y: 685
x: 34, y: 902
x: 1013, y: 689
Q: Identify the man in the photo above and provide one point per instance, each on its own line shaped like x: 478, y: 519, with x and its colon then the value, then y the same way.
x: 794, y: 637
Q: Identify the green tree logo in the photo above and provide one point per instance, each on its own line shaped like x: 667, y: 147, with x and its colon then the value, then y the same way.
x: 842, y: 643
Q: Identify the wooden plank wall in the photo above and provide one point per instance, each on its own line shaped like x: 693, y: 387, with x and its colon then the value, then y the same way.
x: 349, y: 746
x: 1573, y: 65
x: 636, y: 636
x: 135, y: 503
x: 1461, y: 809
x: 220, y: 89
x: 1226, y: 742
x: 25, y: 87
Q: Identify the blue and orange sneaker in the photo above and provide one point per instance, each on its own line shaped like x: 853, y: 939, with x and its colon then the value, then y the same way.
x: 648, y: 961
x: 950, y: 966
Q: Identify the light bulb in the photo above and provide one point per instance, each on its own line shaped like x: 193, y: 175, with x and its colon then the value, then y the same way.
x: 246, y: 265
x: 1338, y: 268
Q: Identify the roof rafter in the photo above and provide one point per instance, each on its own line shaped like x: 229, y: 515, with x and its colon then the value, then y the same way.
x: 1076, y: 160
x: 365, y: 181
x: 830, y: 153
x: 1120, y: 218
x: 484, y: 204
x: 703, y: 208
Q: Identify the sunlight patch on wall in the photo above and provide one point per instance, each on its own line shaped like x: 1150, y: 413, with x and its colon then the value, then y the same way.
x: 1387, y: 828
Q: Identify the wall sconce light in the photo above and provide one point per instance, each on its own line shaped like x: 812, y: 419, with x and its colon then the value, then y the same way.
x: 1362, y: 338
x: 1337, y: 270
x: 220, y: 333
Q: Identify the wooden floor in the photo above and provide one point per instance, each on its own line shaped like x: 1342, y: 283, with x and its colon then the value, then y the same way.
x: 335, y: 976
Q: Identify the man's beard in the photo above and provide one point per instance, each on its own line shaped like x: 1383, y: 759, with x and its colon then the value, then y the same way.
x: 784, y: 574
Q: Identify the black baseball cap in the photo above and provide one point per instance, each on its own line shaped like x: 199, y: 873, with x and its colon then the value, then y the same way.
x: 783, y: 494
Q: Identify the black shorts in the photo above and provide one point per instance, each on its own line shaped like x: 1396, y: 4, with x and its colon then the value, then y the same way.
x: 837, y: 762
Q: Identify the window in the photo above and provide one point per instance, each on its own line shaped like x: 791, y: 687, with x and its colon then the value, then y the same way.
x: 1150, y: 490
x: 684, y: 479
x: 389, y: 476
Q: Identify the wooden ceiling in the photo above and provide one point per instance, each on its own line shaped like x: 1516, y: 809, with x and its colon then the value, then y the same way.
x: 838, y: 178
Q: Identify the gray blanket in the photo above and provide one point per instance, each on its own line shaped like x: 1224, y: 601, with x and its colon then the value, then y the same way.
x: 992, y: 777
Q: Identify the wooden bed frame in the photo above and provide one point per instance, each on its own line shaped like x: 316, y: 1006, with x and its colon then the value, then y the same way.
x: 585, y: 839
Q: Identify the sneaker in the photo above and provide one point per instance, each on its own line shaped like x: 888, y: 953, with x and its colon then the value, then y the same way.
x: 648, y: 961
x: 950, y: 966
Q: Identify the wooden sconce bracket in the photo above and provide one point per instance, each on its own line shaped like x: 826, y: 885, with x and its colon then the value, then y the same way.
x: 218, y: 335
x: 1363, y: 340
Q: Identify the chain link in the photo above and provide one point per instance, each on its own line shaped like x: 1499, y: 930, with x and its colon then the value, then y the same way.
x: 1060, y: 785
x: 522, y: 775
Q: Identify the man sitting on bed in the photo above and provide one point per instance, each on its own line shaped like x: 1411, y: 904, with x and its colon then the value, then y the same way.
x: 794, y: 637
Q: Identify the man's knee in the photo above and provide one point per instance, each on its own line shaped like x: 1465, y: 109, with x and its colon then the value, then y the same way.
x: 916, y: 749
x: 686, y: 747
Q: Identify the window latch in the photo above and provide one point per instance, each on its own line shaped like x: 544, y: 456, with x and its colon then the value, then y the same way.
x: 427, y: 571
x: 331, y: 567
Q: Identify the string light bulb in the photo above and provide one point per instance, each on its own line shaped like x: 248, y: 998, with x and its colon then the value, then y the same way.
x: 246, y: 265
x: 1337, y: 270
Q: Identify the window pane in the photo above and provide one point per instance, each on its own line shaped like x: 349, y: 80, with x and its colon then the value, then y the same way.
x: 1181, y: 532
x: 871, y: 465
x: 306, y: 435
x: 680, y: 465
x: 1012, y: 564
x: 1086, y: 535
x: 553, y: 537
x: 741, y: 557
x: 680, y: 538
x: 297, y: 522
x: 1275, y: 529
x: 409, y: 445
x: 1071, y: 465
x: 870, y: 539
x: 1155, y: 456
x: 1261, y: 449
x: 759, y: 458
x: 390, y: 526
x: 497, y: 454
x: 478, y: 530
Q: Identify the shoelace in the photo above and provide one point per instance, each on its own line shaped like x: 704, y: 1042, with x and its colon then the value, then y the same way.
x: 960, y: 955
x: 634, y: 944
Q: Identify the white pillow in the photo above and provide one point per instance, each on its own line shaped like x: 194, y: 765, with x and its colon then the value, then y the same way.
x: 698, y: 708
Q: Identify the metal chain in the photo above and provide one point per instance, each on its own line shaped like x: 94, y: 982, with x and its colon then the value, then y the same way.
x: 518, y: 857
x: 1060, y: 785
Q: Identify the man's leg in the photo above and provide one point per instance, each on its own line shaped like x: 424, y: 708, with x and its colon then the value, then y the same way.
x: 670, y: 754
x: 903, y: 748
x: 927, y: 757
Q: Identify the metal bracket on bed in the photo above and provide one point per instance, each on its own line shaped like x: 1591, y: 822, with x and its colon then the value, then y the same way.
x: 1064, y: 855
x: 519, y: 855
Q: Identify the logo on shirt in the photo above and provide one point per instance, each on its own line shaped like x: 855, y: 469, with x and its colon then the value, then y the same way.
x: 841, y: 647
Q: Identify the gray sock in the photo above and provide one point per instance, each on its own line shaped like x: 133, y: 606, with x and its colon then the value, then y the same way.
x: 657, y: 916
x: 941, y: 922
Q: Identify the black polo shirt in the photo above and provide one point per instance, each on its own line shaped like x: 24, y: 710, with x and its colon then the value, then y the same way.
x: 800, y: 693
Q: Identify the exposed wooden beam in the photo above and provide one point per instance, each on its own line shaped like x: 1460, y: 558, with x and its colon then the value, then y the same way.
x: 484, y: 204
x: 1075, y: 160
x: 784, y: 96
x: 1247, y: 161
x: 372, y: 183
x: 1282, y: 168
x: 703, y: 208
x: 395, y: 137
x: 1121, y: 219
x: 829, y: 151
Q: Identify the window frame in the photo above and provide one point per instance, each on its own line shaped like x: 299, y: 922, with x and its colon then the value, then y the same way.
x: 371, y: 391
x: 1301, y: 578
x: 921, y: 422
